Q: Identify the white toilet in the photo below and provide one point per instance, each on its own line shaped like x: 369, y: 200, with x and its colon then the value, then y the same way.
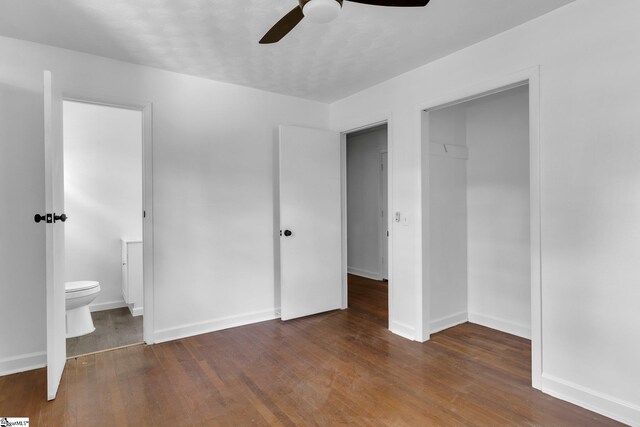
x: 78, y: 296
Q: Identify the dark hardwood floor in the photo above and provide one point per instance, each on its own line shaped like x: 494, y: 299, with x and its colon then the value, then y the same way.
x: 114, y: 328
x: 338, y: 368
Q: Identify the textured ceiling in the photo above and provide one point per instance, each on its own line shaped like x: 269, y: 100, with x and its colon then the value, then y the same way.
x: 218, y: 39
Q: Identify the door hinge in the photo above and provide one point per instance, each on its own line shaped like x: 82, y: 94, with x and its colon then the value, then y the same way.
x: 144, y: 214
x: 381, y: 166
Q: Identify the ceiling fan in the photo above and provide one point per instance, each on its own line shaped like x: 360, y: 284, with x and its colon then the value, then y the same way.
x: 324, y: 11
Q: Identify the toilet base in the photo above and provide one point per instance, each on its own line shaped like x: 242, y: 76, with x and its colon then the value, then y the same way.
x: 79, y: 322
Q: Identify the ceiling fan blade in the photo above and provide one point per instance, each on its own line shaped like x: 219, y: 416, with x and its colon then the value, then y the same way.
x: 393, y: 3
x: 283, y: 26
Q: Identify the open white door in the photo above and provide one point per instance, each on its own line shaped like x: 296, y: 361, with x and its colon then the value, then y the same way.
x: 310, y: 222
x: 54, y: 205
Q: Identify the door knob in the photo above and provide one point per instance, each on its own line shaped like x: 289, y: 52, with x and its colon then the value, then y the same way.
x: 62, y: 217
x: 287, y: 233
x: 47, y: 218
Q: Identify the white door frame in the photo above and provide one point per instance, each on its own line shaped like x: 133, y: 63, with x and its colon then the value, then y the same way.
x: 368, y: 124
x: 382, y: 220
x: 146, y: 108
x: 530, y: 77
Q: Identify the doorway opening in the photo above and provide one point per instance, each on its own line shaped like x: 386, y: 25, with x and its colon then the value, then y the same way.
x: 481, y: 211
x: 367, y: 222
x: 103, y: 196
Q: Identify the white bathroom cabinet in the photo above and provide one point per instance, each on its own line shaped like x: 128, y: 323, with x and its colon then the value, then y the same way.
x: 132, y: 275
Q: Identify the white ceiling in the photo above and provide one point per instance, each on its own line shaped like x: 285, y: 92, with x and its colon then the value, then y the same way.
x: 218, y: 39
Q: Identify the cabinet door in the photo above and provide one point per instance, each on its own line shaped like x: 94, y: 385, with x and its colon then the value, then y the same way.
x: 134, y: 267
x: 125, y: 273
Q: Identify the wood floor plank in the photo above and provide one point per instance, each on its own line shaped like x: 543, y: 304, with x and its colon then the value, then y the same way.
x: 332, y: 369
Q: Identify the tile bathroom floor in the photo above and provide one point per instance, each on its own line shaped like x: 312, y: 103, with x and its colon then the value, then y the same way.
x: 114, y: 328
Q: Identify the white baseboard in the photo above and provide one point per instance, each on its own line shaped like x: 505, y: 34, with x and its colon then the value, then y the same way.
x: 23, y: 362
x: 213, y: 325
x: 609, y: 406
x: 101, y: 306
x: 501, y: 325
x: 447, y: 322
x: 364, y: 273
x: 136, y: 311
x: 404, y: 330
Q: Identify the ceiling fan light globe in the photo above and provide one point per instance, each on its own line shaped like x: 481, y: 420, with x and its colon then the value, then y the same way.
x: 322, y: 11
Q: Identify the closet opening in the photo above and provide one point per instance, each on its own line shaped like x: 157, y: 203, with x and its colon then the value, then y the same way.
x: 478, y: 225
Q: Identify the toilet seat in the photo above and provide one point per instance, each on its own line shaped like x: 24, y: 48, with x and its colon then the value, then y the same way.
x: 81, y: 285
x: 81, y: 289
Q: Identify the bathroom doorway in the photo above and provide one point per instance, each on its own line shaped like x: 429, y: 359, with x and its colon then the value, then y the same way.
x: 103, y: 192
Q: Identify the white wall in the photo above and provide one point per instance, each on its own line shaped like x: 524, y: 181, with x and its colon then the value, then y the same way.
x: 213, y: 191
x: 447, y: 220
x: 363, y: 201
x: 590, y: 188
x: 499, y: 255
x: 103, y: 193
